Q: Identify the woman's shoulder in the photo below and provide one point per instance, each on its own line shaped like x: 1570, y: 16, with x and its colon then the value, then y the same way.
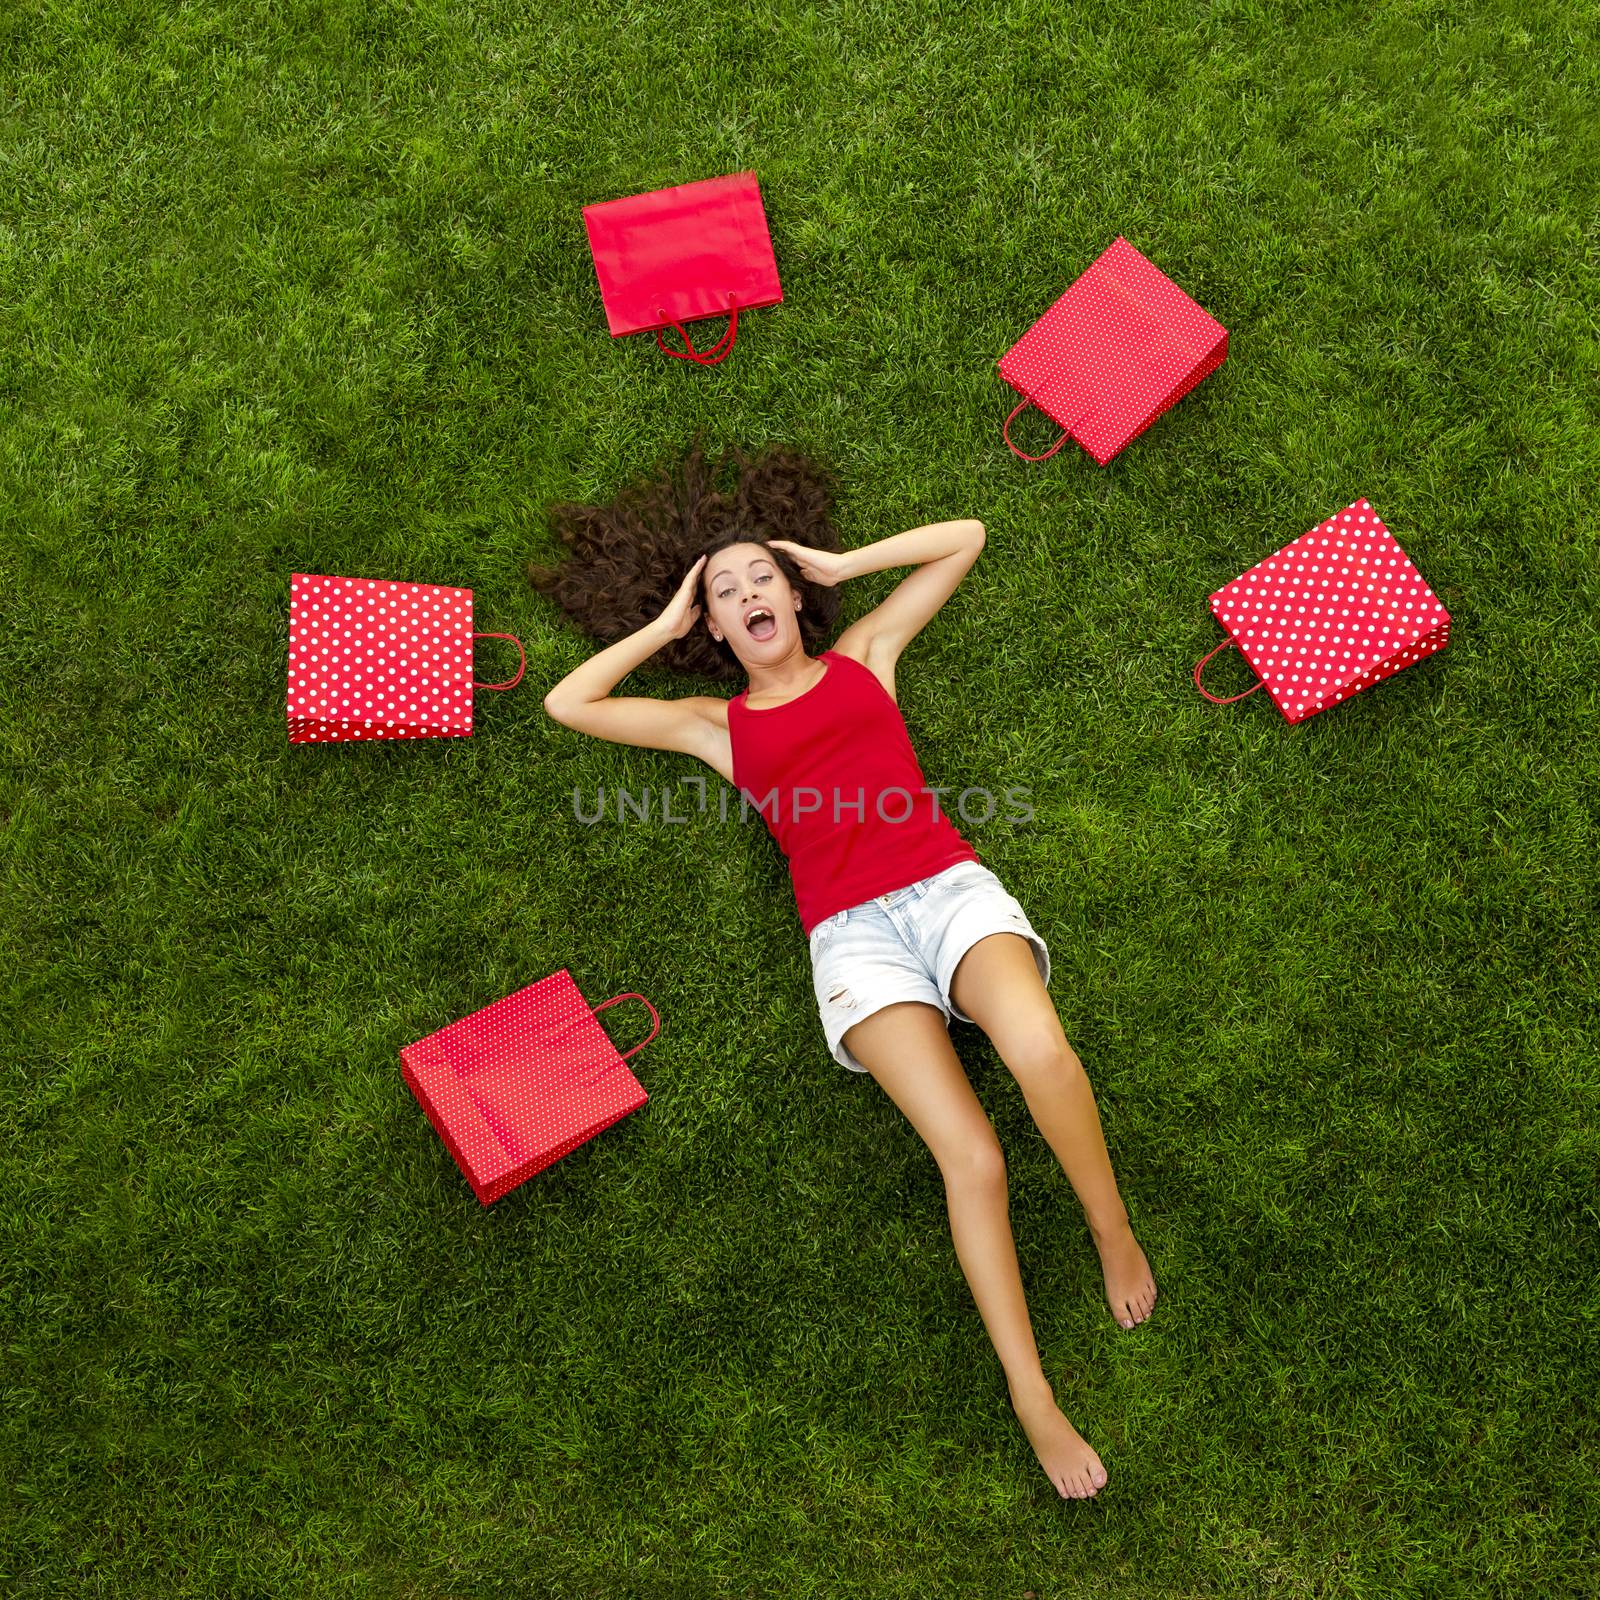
x: 856, y: 655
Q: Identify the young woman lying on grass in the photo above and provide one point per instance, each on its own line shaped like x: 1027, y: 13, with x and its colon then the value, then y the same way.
x: 907, y: 927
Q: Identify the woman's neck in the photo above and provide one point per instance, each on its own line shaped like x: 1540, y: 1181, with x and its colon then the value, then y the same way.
x: 785, y: 679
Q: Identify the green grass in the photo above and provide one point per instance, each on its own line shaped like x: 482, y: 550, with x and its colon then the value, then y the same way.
x: 305, y: 286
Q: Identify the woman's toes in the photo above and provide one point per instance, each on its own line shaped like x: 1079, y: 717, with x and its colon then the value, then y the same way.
x: 1097, y: 1476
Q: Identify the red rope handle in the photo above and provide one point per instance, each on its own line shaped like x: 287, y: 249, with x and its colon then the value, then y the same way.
x: 706, y: 358
x: 1005, y: 433
x: 1259, y: 684
x: 521, y: 665
x: 648, y: 1007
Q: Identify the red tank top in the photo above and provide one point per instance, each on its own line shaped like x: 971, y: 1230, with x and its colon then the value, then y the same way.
x: 838, y: 785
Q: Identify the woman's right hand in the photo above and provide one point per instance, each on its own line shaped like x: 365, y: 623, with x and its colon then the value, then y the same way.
x: 682, y: 611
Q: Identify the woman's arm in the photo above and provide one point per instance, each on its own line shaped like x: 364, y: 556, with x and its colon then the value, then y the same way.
x: 583, y: 701
x: 595, y: 678
x: 943, y: 553
x: 917, y: 547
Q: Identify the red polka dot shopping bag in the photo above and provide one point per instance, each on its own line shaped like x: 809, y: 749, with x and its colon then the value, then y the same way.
x: 1328, y: 615
x: 1122, y: 345
x: 375, y: 659
x: 516, y: 1086
x: 677, y: 254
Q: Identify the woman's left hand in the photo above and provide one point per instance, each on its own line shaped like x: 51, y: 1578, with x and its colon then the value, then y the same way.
x: 827, y: 567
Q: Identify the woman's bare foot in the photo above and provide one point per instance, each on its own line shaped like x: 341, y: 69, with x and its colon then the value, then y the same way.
x: 1130, y: 1285
x: 1072, y: 1466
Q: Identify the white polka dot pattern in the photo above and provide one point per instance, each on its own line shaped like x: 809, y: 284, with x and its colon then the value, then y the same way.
x: 1122, y: 345
x: 516, y: 1086
x: 1330, y: 614
x: 374, y: 659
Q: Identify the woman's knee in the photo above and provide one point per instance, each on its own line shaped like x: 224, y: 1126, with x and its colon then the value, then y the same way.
x: 1041, y: 1056
x: 975, y: 1160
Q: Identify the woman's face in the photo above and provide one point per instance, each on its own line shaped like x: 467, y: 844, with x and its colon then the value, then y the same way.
x: 750, y: 604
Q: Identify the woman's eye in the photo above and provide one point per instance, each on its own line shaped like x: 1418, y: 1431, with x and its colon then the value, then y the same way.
x: 764, y: 578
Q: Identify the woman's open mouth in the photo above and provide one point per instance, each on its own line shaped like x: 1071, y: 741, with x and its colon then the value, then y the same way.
x: 760, y: 623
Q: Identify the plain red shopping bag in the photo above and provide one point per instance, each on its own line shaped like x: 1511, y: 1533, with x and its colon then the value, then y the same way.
x: 1329, y: 615
x: 1122, y: 345
x: 374, y: 659
x: 675, y: 255
x: 516, y: 1086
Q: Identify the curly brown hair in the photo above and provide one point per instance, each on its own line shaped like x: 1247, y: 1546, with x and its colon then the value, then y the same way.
x: 628, y: 557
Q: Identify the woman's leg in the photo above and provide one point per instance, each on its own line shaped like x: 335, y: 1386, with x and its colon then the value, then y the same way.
x: 906, y: 1048
x: 997, y: 984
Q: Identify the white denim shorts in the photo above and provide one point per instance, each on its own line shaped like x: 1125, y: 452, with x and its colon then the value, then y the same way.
x: 905, y: 945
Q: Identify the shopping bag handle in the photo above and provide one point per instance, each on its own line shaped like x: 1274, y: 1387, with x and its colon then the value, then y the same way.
x: 648, y: 1007
x: 521, y: 665
x: 1005, y: 433
x: 1228, y: 701
x: 706, y: 358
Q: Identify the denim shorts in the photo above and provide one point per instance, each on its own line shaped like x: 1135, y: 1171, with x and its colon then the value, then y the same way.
x: 905, y: 945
